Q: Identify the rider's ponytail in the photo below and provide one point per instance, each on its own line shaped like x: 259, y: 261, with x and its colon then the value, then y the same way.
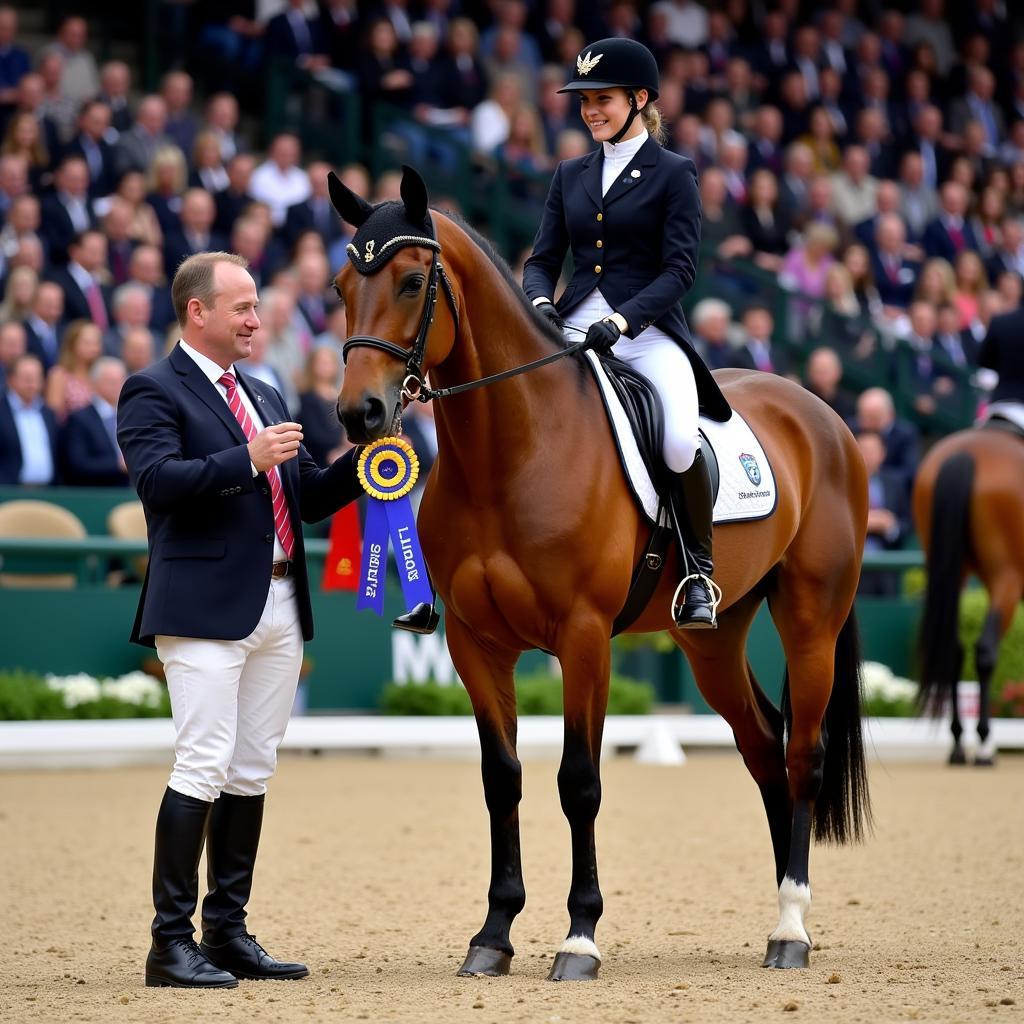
x: 651, y: 116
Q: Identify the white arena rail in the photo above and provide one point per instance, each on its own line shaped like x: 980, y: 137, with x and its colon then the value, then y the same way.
x: 655, y: 738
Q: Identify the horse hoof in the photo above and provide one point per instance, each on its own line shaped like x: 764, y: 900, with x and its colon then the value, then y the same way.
x: 783, y: 954
x: 574, y: 967
x: 984, y: 761
x: 484, y: 962
x: 957, y: 756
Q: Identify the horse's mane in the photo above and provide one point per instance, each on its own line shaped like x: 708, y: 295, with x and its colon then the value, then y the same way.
x: 541, y: 322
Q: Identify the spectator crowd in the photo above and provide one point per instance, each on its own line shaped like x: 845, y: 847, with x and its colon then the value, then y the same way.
x: 868, y: 157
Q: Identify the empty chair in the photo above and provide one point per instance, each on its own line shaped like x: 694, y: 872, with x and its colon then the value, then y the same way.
x: 31, y: 518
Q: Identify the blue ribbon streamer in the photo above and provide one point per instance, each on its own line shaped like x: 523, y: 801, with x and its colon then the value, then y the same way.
x: 394, y: 519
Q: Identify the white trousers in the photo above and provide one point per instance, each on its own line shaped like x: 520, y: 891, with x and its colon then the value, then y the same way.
x: 660, y: 359
x: 231, y: 699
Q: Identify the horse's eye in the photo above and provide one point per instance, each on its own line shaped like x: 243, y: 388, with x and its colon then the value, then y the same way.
x: 412, y: 286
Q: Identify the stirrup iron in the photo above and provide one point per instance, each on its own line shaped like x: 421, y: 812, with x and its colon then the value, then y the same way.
x: 713, y: 589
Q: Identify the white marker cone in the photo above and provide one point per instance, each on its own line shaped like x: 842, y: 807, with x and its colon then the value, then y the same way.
x: 660, y: 747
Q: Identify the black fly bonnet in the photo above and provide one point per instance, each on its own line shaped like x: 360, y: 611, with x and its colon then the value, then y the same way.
x: 380, y: 232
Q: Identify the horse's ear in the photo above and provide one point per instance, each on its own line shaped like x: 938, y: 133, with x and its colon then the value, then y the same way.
x: 414, y: 195
x: 351, y: 208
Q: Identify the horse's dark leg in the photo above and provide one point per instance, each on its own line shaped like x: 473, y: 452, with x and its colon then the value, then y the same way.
x: 986, y: 653
x: 585, y: 657
x: 809, y: 640
x: 957, y: 755
x: 725, y: 678
x: 487, y: 674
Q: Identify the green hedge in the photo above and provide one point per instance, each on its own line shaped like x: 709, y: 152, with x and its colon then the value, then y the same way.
x: 536, y: 694
x: 26, y: 697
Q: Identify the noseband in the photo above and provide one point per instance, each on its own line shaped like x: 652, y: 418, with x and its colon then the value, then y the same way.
x: 413, y: 358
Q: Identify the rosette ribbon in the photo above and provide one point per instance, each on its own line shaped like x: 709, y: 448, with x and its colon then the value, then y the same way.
x: 388, y: 470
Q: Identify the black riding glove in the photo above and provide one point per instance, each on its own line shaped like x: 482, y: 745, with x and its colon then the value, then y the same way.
x: 548, y: 311
x: 602, y: 336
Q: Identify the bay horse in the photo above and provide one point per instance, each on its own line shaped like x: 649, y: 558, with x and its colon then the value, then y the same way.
x: 531, y: 534
x: 968, y: 505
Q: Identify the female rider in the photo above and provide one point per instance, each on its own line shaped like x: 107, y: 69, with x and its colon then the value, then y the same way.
x: 630, y: 214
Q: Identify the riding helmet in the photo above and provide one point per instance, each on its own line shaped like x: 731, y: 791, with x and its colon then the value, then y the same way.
x: 615, y: 62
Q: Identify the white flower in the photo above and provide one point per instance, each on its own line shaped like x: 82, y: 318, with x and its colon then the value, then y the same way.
x: 77, y: 689
x: 134, y: 688
x: 880, y: 682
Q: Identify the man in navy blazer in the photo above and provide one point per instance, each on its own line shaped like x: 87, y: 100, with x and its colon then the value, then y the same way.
x: 950, y: 233
x: 89, y: 455
x: 225, y: 483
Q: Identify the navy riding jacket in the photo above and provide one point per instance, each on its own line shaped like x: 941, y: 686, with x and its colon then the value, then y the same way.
x: 638, y: 244
x: 210, y: 521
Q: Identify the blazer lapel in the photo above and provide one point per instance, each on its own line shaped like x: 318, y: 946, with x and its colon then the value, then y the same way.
x: 634, y: 174
x: 591, y: 177
x: 200, y: 385
x: 270, y: 414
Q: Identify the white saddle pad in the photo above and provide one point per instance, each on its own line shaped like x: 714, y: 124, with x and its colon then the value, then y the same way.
x: 746, y: 486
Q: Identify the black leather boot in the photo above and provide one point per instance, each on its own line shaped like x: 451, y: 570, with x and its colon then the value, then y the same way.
x: 421, y: 618
x: 174, y: 959
x: 692, y: 507
x: 231, y: 845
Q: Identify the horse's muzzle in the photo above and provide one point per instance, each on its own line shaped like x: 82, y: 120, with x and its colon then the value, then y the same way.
x: 366, y: 421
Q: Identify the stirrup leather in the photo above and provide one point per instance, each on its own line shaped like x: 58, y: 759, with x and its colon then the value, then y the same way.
x: 713, y: 589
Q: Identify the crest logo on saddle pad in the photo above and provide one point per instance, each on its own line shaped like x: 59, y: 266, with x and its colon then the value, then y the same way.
x: 584, y: 65
x: 751, y: 468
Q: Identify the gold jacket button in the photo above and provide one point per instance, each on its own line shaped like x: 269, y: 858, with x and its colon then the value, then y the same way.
x: 600, y: 216
x: 600, y: 244
x: 597, y: 269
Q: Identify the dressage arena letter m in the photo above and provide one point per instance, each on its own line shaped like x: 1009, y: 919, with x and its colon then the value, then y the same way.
x: 418, y: 659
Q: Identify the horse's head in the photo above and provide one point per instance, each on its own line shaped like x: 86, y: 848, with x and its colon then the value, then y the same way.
x: 401, y: 311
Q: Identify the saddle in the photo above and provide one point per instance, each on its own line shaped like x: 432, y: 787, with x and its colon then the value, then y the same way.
x: 744, y: 488
x: 1006, y: 426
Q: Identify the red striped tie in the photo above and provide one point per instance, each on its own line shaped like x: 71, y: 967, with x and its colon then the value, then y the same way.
x: 282, y: 523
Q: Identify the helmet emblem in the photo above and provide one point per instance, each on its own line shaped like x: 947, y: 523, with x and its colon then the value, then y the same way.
x: 584, y: 65
x: 369, y: 250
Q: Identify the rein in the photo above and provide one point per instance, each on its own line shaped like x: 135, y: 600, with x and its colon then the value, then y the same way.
x: 413, y: 358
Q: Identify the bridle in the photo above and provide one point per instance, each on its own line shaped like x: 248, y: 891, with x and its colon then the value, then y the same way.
x: 413, y: 358
x: 419, y: 391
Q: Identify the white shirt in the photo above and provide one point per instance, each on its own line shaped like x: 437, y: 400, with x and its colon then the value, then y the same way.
x: 279, y: 189
x: 34, y: 439
x: 214, y: 371
x: 618, y: 157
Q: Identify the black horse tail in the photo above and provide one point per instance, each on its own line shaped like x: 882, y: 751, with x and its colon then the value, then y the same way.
x: 842, y: 810
x: 939, y: 640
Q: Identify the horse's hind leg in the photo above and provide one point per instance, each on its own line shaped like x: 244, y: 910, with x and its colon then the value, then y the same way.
x: 585, y: 656
x: 487, y: 673
x: 809, y: 615
x: 728, y: 684
x: 1004, y: 596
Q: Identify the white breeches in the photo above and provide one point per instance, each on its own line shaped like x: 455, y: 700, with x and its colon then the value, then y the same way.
x: 660, y: 359
x: 231, y: 700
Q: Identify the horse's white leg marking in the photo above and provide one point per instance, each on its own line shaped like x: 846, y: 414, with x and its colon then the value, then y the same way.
x: 582, y: 945
x: 794, y: 904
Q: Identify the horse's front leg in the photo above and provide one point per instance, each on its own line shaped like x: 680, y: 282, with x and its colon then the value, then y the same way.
x: 585, y: 657
x: 487, y: 673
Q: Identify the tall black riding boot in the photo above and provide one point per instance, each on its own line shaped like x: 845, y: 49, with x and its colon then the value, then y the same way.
x: 692, y: 506
x: 174, y: 959
x: 231, y: 845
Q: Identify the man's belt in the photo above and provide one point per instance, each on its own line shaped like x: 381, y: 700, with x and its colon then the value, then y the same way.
x: 279, y: 570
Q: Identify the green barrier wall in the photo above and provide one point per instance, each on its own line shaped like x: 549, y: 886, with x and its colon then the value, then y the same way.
x: 354, y: 654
